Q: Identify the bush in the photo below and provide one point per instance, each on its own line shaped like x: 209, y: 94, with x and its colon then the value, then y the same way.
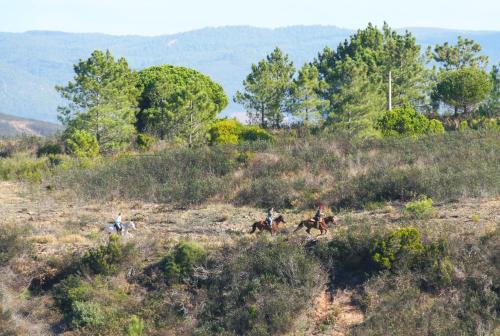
x: 82, y: 144
x: 87, y: 314
x: 225, y: 131
x: 135, y: 327
x: 11, y: 242
x: 180, y: 263
x: 145, y: 142
x: 399, y: 250
x: 258, y: 289
x: 421, y: 208
x: 106, y: 258
x: 407, y: 121
x: 255, y: 133
x: 92, y: 304
x: 49, y: 149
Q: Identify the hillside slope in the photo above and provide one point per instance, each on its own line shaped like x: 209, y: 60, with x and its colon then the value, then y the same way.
x: 14, y: 126
x: 32, y: 63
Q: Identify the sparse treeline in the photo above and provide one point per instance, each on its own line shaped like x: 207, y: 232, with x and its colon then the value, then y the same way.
x: 109, y: 104
x: 344, y: 89
x: 347, y: 88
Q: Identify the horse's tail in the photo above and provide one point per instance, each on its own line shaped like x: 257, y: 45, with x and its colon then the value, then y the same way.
x: 254, y: 227
x: 301, y: 225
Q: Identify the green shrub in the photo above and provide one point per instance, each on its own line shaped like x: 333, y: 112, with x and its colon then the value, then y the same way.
x: 180, y: 263
x: 258, y: 289
x: 435, y: 127
x: 421, y: 208
x: 87, y: 314
x: 255, y: 133
x: 82, y: 144
x: 144, y: 141
x: 106, y: 258
x: 11, y: 242
x: 225, y: 131
x: 135, y: 327
x: 398, y: 250
x: 475, y: 218
x: 49, y: 149
x: 406, y: 121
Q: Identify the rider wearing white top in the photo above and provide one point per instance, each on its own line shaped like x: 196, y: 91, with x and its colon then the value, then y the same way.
x: 118, y: 222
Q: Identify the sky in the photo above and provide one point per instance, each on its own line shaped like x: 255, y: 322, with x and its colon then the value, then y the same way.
x: 157, y: 17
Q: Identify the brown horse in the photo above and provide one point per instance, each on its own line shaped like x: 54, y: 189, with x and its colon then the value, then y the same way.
x: 322, y: 225
x: 263, y: 226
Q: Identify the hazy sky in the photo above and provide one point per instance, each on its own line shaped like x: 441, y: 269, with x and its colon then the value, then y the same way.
x: 155, y: 17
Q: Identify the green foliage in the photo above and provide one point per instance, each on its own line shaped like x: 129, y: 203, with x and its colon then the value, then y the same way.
x: 463, y: 54
x: 435, y: 127
x: 421, y: 208
x: 180, y: 263
x: 106, y: 258
x: 255, y: 133
x: 230, y: 131
x: 92, y: 305
x: 12, y: 242
x: 356, y: 74
x: 399, y: 249
x: 491, y: 107
x: 49, y: 149
x: 259, y: 289
x: 82, y: 144
x: 145, y: 141
x: 178, y: 103
x: 135, y: 327
x: 21, y: 167
x: 407, y: 121
x: 306, y: 103
x: 225, y: 131
x: 266, y: 89
x: 463, y: 89
x: 102, y: 99
x: 87, y: 314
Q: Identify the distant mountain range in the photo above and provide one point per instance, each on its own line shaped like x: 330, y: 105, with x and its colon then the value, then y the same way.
x: 32, y: 63
x: 14, y: 126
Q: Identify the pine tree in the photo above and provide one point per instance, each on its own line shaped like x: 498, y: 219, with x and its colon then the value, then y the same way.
x: 102, y: 100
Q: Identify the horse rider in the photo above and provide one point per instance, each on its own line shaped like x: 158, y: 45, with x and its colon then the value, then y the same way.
x: 319, y: 214
x: 118, y: 223
x: 269, y: 218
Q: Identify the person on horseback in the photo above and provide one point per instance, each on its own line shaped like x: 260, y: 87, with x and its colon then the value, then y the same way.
x: 319, y: 214
x: 118, y: 223
x: 269, y: 218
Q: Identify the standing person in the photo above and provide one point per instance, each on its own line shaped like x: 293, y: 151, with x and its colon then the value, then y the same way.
x: 269, y: 218
x: 118, y: 222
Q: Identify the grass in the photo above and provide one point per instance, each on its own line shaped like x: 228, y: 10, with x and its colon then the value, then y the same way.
x: 301, y: 172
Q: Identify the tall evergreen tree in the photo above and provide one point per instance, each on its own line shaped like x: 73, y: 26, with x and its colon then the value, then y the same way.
x: 371, y: 54
x: 466, y: 53
x: 266, y: 89
x: 491, y: 108
x: 102, y: 100
x: 306, y: 103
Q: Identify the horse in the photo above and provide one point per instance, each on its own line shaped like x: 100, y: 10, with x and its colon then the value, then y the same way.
x: 125, y: 227
x: 322, y: 225
x: 263, y: 226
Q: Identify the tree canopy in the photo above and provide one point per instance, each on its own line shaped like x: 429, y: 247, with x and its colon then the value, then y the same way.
x: 463, y: 89
x: 266, y: 89
x: 357, y: 74
x: 102, y: 100
x: 178, y: 102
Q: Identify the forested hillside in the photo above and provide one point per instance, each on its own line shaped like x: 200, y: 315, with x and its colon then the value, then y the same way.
x: 32, y: 63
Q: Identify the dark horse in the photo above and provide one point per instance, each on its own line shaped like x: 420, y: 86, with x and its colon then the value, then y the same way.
x: 321, y: 226
x: 263, y: 226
